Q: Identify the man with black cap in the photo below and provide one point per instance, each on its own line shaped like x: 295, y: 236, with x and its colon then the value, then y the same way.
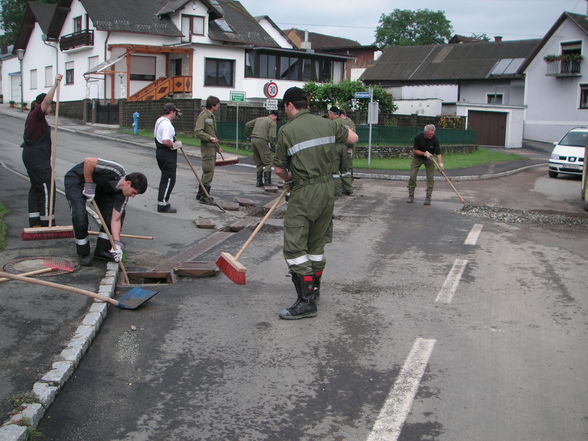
x: 262, y: 132
x: 167, y: 155
x: 304, y: 152
x: 36, y: 156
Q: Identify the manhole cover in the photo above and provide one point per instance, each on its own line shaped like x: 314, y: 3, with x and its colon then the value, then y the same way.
x: 28, y: 264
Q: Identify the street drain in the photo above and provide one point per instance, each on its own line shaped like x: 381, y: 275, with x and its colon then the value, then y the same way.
x: 27, y: 264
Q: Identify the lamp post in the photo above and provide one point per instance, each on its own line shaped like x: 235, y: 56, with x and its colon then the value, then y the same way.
x: 20, y: 55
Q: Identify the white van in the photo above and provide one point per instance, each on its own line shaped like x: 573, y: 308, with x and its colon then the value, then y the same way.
x: 567, y: 156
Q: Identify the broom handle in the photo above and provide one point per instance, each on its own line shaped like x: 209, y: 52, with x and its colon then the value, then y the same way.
x: 59, y: 286
x: 263, y: 221
x: 447, y: 178
x: 126, y: 236
x: 112, y: 244
x: 54, y: 154
x: 30, y: 273
x: 195, y: 174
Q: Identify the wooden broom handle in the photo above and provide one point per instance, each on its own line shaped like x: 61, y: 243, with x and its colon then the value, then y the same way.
x: 263, y: 221
x: 59, y: 286
x: 447, y: 178
x: 112, y: 244
x: 31, y: 273
x: 195, y: 174
x: 54, y: 154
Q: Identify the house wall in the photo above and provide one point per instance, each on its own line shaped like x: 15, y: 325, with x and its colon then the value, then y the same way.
x: 444, y: 92
x: 425, y: 107
x: 9, y: 68
x: 552, y: 102
x: 273, y: 32
x: 476, y: 92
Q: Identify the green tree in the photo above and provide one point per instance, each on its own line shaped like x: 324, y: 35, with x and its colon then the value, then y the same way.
x: 323, y: 96
x: 11, y: 17
x: 403, y: 27
x: 482, y: 37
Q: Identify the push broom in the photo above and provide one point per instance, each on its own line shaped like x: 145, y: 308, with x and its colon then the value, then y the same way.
x: 462, y: 200
x: 199, y: 180
x: 230, y: 265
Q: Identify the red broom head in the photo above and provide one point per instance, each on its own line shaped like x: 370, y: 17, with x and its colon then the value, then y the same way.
x: 231, y: 268
x: 59, y: 264
x: 46, y: 235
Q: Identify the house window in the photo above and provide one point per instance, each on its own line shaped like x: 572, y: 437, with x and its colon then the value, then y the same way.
x: 49, y: 80
x: 142, y: 68
x: 267, y: 66
x: 325, y: 72
x: 218, y: 72
x: 287, y: 67
x: 192, y: 25
x: 69, y: 72
x: 33, y: 78
x: 250, y: 64
x: 583, y: 96
x: 494, y: 98
x: 77, y: 24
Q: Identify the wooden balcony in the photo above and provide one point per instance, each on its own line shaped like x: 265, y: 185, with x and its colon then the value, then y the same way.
x: 163, y: 87
x: 77, y: 40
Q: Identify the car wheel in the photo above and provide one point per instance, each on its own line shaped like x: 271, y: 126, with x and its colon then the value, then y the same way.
x: 552, y: 174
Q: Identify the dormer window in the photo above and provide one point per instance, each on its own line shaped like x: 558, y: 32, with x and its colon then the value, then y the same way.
x: 221, y: 22
x: 192, y: 25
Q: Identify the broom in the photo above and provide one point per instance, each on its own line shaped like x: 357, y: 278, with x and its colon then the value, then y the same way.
x: 229, y: 161
x: 65, y: 232
x: 462, y: 200
x: 230, y: 265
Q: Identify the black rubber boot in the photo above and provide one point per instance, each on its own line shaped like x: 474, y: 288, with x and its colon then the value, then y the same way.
x: 428, y: 198
x: 410, y: 199
x: 259, y: 179
x: 207, y: 200
x: 305, y: 306
x: 267, y: 177
x: 199, y: 194
x: 317, y: 284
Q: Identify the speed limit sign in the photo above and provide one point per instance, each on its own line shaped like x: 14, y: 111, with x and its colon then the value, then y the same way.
x: 270, y: 89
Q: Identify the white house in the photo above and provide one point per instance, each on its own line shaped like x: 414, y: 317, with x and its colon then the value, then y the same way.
x: 111, y: 49
x: 477, y: 79
x: 556, y: 80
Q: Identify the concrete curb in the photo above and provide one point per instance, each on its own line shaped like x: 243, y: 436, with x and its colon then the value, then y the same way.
x: 45, y: 390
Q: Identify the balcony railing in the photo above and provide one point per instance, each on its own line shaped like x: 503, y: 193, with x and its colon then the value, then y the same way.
x: 564, y: 68
x: 78, y: 39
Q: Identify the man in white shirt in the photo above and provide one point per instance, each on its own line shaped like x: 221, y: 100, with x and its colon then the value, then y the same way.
x: 167, y: 155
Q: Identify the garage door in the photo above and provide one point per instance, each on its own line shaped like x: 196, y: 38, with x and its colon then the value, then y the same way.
x: 490, y: 127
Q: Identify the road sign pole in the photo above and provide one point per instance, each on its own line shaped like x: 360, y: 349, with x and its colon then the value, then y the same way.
x: 237, y: 130
x: 370, y: 129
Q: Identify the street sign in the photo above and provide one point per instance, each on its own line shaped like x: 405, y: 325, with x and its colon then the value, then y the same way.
x: 270, y: 89
x: 359, y: 95
x: 271, y: 104
x: 373, y: 112
x: 237, y: 96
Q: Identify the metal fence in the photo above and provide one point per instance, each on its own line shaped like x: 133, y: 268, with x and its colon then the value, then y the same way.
x: 381, y: 135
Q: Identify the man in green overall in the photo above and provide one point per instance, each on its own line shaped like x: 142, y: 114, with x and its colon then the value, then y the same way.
x: 304, y: 159
x: 262, y: 132
x: 425, y: 146
x: 205, y: 130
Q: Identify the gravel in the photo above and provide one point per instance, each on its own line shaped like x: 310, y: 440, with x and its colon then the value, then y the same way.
x: 512, y: 216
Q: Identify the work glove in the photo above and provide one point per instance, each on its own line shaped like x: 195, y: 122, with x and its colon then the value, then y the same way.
x: 441, y: 166
x: 117, y: 251
x: 428, y: 155
x: 177, y: 145
x: 89, y: 191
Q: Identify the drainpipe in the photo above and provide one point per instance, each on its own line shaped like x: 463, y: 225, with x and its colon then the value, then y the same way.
x: 105, y: 58
x: 44, y: 38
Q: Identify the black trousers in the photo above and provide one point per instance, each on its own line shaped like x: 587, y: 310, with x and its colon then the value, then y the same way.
x: 167, y: 160
x: 38, y: 165
x: 79, y: 216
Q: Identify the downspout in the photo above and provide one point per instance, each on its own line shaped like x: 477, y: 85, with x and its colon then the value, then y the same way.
x: 44, y: 38
x: 105, y: 58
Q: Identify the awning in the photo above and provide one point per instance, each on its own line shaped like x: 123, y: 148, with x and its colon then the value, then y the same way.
x: 99, y: 68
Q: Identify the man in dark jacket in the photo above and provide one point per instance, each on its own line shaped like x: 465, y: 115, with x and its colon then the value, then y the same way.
x: 425, y: 146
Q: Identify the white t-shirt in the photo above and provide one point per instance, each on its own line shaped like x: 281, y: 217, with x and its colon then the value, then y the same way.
x: 164, y: 130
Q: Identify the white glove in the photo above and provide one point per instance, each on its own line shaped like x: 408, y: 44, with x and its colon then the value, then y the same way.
x: 89, y: 191
x: 177, y: 145
x: 428, y: 155
x: 441, y: 166
x: 117, y: 251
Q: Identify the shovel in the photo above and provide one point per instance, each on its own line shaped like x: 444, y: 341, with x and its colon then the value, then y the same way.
x: 130, y: 300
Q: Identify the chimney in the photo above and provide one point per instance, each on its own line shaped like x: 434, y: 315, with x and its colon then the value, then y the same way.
x: 498, y: 39
x: 305, y: 44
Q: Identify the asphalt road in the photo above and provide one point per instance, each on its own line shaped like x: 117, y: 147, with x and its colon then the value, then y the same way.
x: 432, y: 325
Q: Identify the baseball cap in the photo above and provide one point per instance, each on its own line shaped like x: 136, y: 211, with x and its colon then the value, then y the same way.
x: 170, y: 107
x: 39, y: 99
x: 275, y: 112
x: 335, y: 110
x: 294, y: 94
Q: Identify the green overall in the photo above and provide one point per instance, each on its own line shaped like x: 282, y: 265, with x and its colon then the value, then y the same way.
x: 263, y: 137
x: 204, y: 130
x: 347, y: 161
x: 305, y: 147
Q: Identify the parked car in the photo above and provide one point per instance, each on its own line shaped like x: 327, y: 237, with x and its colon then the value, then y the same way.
x: 567, y: 156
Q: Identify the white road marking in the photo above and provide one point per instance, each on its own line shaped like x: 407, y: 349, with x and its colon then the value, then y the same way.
x: 397, y: 406
x: 474, y: 234
x: 450, y: 285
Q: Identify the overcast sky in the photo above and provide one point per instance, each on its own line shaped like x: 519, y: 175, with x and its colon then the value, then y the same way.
x: 512, y: 19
